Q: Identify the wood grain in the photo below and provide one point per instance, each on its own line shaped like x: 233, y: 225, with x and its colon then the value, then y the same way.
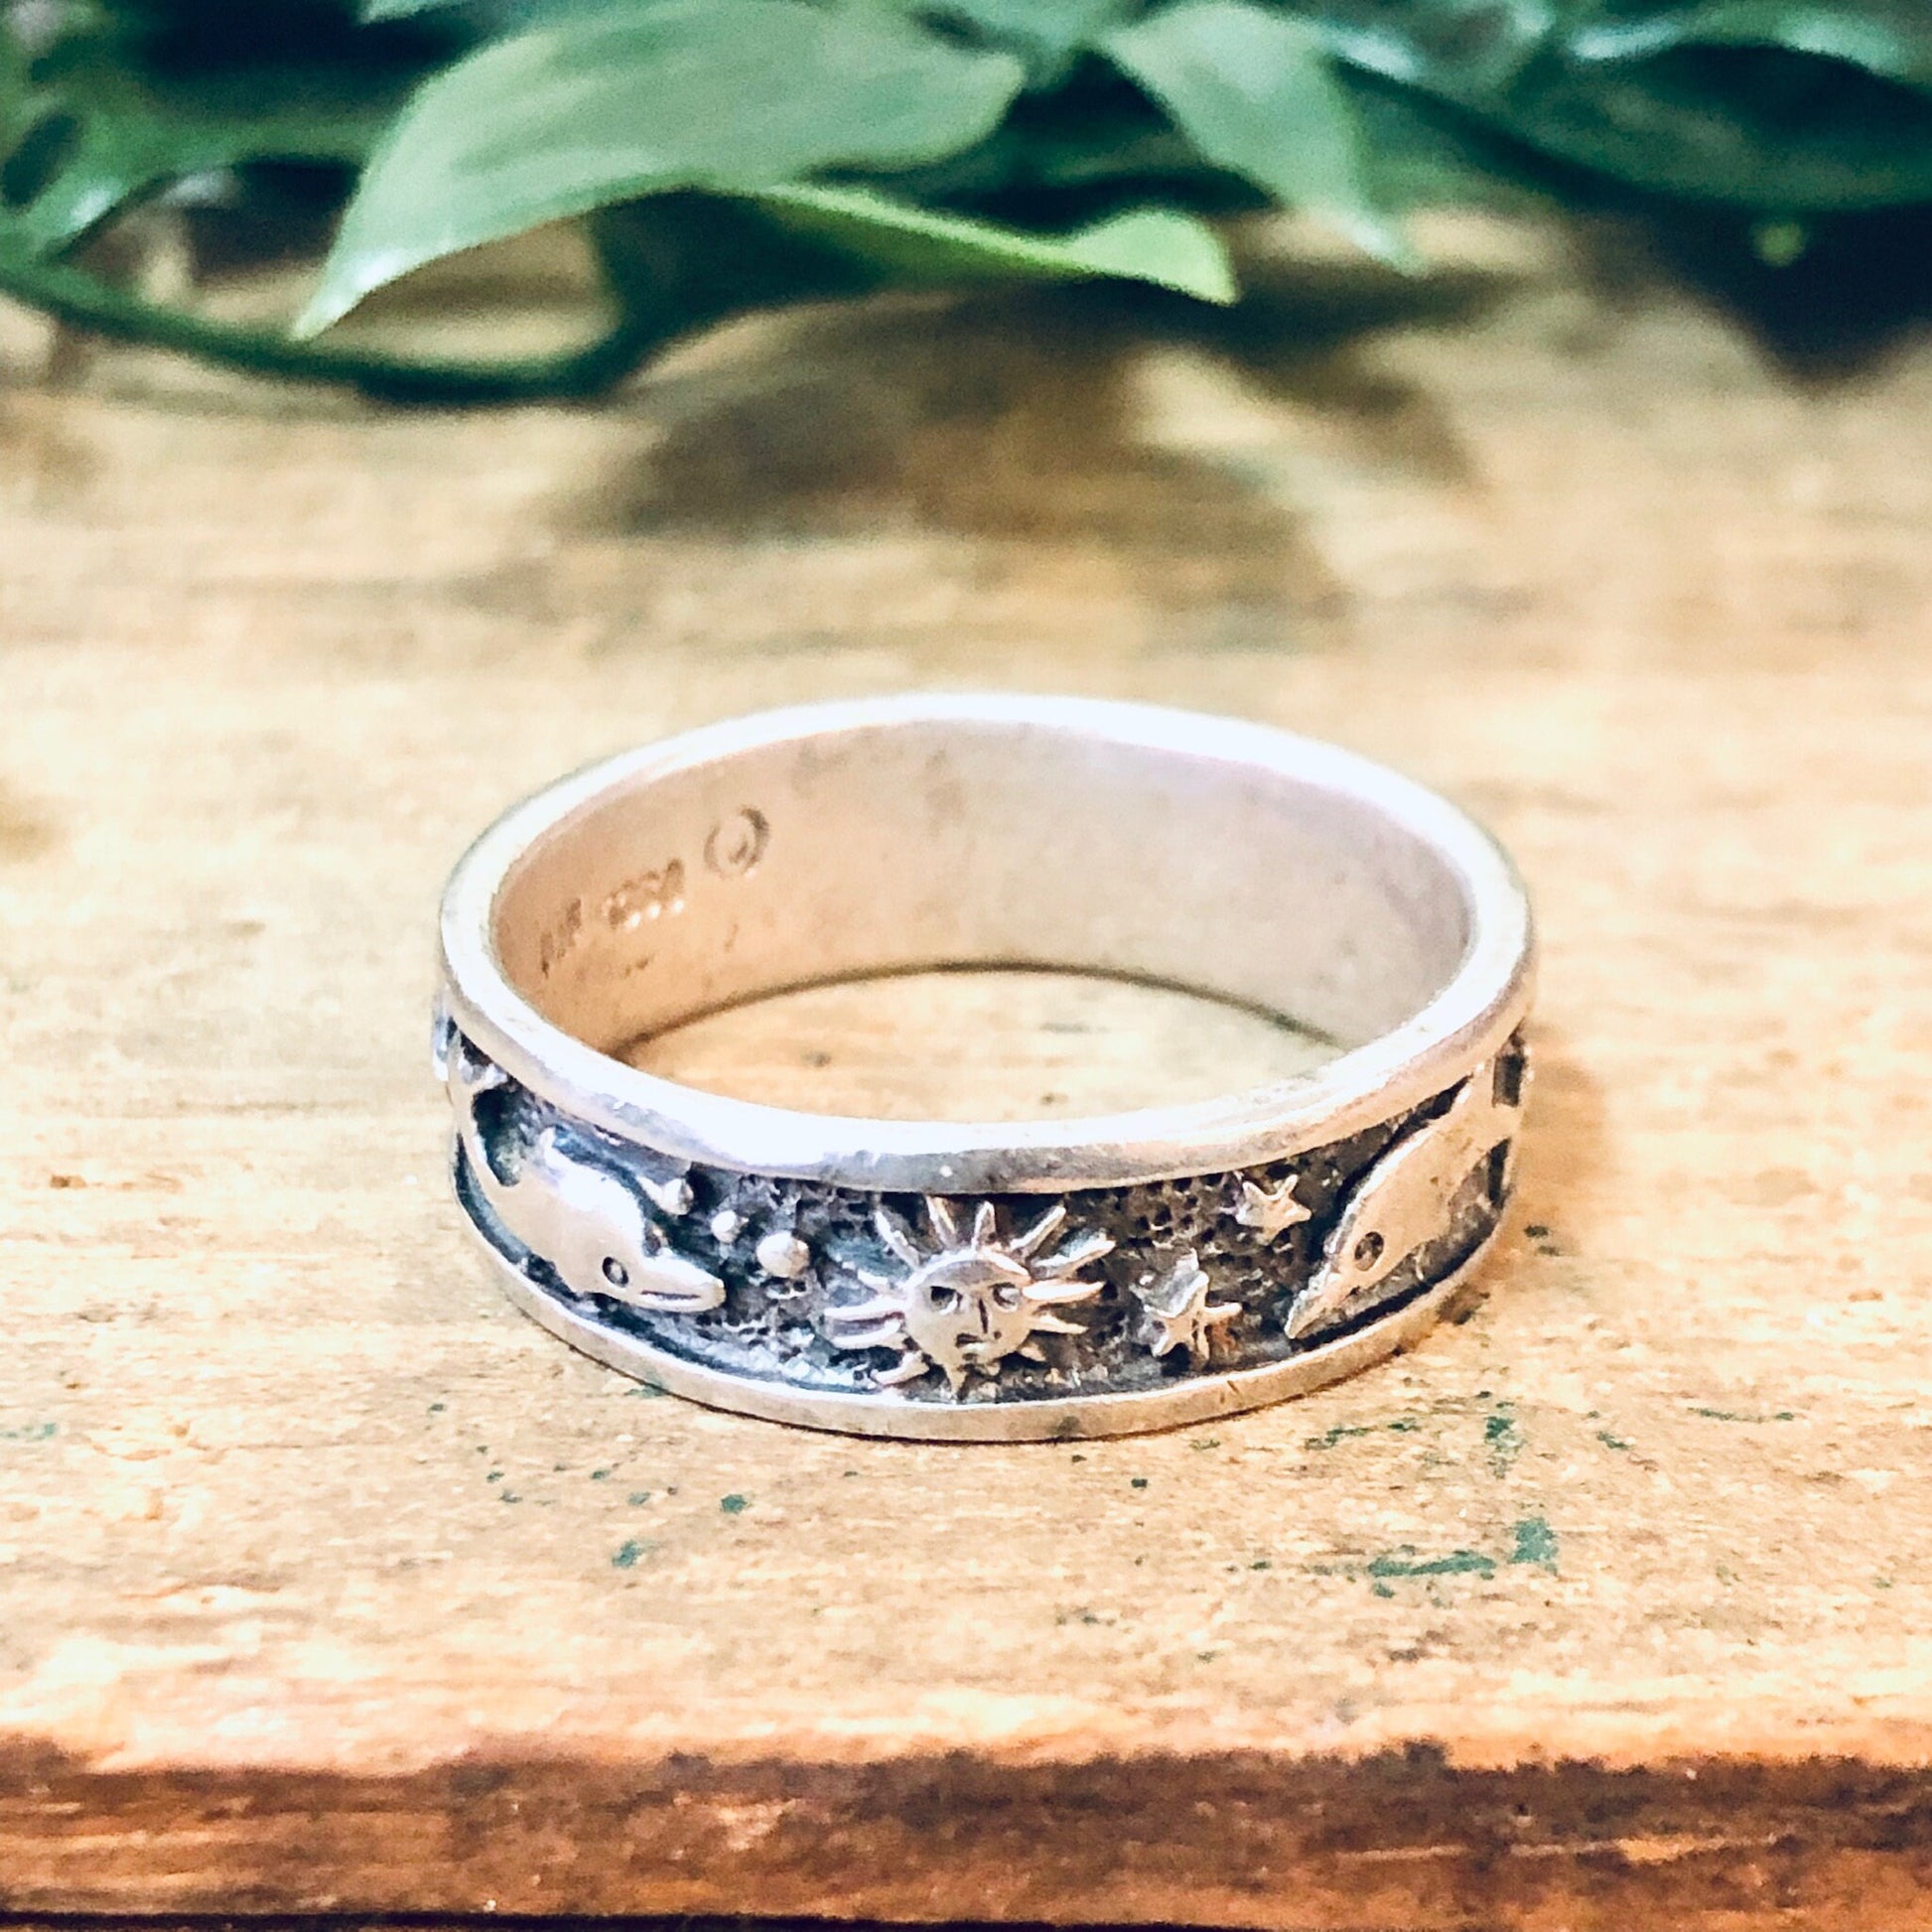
x: 980, y: 1046
x: 330, y: 1583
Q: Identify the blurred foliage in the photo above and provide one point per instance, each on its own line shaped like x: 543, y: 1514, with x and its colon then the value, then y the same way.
x: 728, y: 154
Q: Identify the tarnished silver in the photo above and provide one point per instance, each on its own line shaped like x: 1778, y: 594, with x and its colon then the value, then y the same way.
x: 985, y: 1280
x: 1407, y: 1196
x: 589, y: 1219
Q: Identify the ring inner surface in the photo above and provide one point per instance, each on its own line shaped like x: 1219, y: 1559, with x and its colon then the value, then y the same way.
x: 911, y: 846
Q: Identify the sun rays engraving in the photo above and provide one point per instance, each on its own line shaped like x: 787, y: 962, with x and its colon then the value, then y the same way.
x: 967, y: 1299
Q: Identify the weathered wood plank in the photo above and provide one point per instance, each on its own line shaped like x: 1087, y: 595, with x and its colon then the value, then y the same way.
x: 330, y: 1583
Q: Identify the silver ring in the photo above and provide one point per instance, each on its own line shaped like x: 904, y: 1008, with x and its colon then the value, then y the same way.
x: 1015, y: 1281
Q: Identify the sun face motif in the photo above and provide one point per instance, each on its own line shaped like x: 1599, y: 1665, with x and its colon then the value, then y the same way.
x: 967, y: 1301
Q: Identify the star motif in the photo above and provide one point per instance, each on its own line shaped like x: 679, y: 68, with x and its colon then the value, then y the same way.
x: 1178, y: 1314
x: 1271, y: 1211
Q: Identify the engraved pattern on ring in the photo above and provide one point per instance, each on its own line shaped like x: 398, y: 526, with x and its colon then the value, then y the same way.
x: 994, y: 1299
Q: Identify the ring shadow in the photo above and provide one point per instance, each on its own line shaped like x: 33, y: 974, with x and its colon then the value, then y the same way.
x: 1562, y: 1149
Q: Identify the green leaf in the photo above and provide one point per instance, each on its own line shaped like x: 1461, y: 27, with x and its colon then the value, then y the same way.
x: 1893, y: 42
x: 1464, y: 49
x: 1805, y: 136
x: 89, y: 135
x: 593, y: 109
x: 1424, y: 155
x: 1049, y: 34
x: 118, y: 107
x: 1735, y: 116
x: 1253, y: 90
x: 1158, y: 245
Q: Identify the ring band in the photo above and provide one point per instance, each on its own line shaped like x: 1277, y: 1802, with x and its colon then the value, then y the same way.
x: 1014, y: 1281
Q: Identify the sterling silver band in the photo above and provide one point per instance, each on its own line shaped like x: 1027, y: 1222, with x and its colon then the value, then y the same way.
x: 994, y: 1280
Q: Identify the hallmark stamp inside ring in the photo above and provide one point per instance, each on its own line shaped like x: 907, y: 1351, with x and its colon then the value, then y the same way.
x: 994, y: 1280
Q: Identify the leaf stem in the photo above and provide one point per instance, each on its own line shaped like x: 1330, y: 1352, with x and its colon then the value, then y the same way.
x: 73, y: 296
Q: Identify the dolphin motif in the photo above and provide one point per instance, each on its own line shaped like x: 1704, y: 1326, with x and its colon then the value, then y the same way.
x: 1404, y: 1199
x: 586, y: 1220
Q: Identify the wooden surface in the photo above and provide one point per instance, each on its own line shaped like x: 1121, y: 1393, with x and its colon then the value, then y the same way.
x: 327, y: 1582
